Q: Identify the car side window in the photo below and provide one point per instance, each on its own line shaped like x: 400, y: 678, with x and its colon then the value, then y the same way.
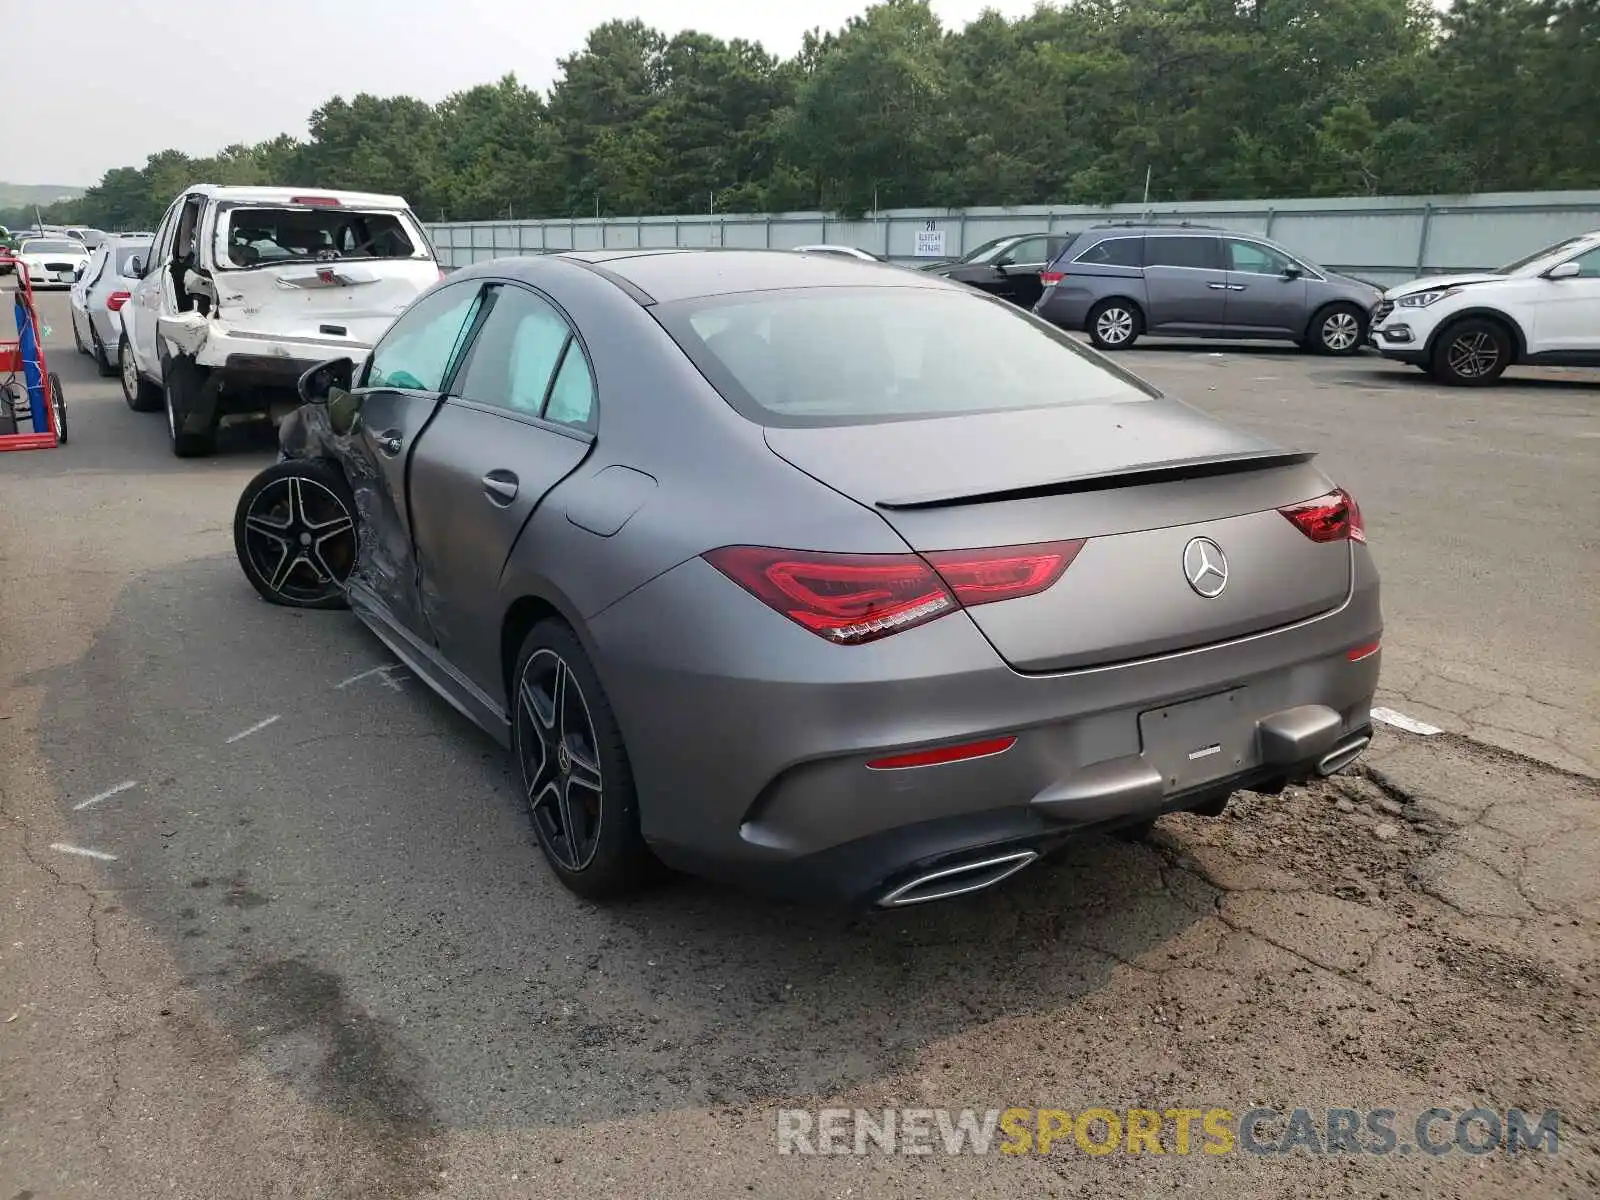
x: 1588, y: 264
x: 1199, y: 253
x: 1252, y: 258
x: 161, y: 244
x: 1033, y: 250
x: 421, y: 346
x: 572, y: 394
x: 1115, y: 252
x: 517, y: 354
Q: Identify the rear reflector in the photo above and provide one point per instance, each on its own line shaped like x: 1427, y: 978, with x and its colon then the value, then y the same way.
x: 1331, y: 518
x: 1051, y: 278
x: 944, y: 754
x: 316, y: 201
x: 116, y: 300
x: 855, y: 598
x: 1357, y: 653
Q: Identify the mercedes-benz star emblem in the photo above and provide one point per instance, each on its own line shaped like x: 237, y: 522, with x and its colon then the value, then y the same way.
x: 564, y: 760
x: 1205, y: 566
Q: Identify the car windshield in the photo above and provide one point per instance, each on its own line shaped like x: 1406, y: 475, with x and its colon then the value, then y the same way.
x: 990, y: 249
x: 129, y: 252
x: 52, y: 246
x: 866, y: 355
x: 1538, y: 256
x: 259, y: 237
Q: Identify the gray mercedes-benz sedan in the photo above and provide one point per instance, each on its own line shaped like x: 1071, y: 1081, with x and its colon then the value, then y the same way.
x: 835, y: 579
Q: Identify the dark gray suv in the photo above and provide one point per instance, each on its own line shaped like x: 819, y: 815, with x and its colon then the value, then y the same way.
x: 1118, y: 281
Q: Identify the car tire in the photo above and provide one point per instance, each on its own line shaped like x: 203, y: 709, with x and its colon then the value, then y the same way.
x: 1339, y: 330
x: 140, y: 394
x: 1114, y: 324
x: 1471, y: 352
x: 58, y: 408
x: 77, y: 338
x: 97, y: 351
x: 181, y: 383
x: 296, y: 535
x: 572, y: 767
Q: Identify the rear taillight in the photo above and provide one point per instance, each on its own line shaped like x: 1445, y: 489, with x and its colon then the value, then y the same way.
x: 1051, y: 278
x: 1004, y: 572
x: 1331, y: 518
x: 855, y: 598
x: 116, y: 300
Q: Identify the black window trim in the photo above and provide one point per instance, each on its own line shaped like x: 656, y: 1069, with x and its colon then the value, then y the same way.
x: 588, y: 432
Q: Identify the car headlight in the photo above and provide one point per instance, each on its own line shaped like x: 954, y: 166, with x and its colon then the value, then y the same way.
x: 1423, y: 299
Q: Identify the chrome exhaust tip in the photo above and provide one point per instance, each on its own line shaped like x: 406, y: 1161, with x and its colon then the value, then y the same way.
x: 1342, y: 755
x: 957, y: 880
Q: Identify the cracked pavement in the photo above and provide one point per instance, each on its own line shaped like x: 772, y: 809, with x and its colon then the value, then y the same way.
x: 326, y: 961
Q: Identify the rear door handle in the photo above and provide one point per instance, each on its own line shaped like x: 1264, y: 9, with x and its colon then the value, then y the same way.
x: 500, y: 486
x: 390, y: 443
x: 1217, y: 287
x: 1236, y: 287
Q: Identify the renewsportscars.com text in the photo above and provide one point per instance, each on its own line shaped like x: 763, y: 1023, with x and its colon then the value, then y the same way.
x: 1213, y: 1131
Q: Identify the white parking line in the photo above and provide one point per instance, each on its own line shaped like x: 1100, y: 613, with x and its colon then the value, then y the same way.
x: 360, y: 677
x: 105, y: 795
x: 1400, y: 721
x: 256, y: 728
x: 83, y: 852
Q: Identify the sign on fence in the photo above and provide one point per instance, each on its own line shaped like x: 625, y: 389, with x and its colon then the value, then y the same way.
x: 930, y: 243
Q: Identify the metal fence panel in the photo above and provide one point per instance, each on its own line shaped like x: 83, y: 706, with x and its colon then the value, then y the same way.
x: 1383, y: 238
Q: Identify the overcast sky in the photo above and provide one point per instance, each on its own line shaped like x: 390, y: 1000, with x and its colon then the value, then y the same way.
x: 119, y: 80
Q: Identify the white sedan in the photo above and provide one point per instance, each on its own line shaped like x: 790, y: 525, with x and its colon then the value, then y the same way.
x: 52, y: 262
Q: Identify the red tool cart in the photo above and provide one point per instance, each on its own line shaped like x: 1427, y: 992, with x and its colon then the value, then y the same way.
x: 33, y: 412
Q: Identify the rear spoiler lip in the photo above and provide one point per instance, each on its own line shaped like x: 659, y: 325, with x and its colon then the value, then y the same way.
x: 1170, y: 471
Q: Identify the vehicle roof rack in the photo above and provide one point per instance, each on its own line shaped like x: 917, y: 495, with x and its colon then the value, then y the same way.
x: 1155, y: 225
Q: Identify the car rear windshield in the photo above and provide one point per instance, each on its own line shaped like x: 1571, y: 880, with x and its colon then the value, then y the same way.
x: 258, y: 237
x: 41, y: 246
x: 127, y: 253
x: 841, y: 356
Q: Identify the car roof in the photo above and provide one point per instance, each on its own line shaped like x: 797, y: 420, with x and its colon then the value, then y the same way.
x: 662, y: 276
x: 287, y: 195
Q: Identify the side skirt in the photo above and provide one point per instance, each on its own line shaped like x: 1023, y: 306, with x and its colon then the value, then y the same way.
x: 459, y: 691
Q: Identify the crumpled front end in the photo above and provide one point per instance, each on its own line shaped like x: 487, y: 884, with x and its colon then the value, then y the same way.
x: 382, y: 557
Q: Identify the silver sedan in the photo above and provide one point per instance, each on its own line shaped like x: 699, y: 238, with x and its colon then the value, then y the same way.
x: 98, y: 296
x: 836, y: 580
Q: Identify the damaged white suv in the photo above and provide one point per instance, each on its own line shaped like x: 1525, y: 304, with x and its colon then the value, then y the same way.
x: 247, y: 288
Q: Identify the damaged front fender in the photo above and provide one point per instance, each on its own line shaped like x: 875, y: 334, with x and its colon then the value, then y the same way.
x: 384, y: 561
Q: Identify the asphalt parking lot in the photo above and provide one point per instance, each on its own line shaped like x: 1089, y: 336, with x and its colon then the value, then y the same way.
x: 312, y: 950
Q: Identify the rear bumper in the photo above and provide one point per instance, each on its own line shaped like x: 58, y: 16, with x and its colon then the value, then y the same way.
x: 883, y: 868
x: 1065, y: 306
x: 764, y: 780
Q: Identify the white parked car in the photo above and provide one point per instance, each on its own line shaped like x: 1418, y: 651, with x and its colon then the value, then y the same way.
x: 245, y: 289
x: 51, y: 261
x: 98, y: 296
x: 1467, y: 329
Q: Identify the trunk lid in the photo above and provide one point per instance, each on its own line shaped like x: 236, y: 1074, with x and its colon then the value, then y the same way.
x: 318, y: 271
x: 1138, y: 481
x: 358, y: 300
